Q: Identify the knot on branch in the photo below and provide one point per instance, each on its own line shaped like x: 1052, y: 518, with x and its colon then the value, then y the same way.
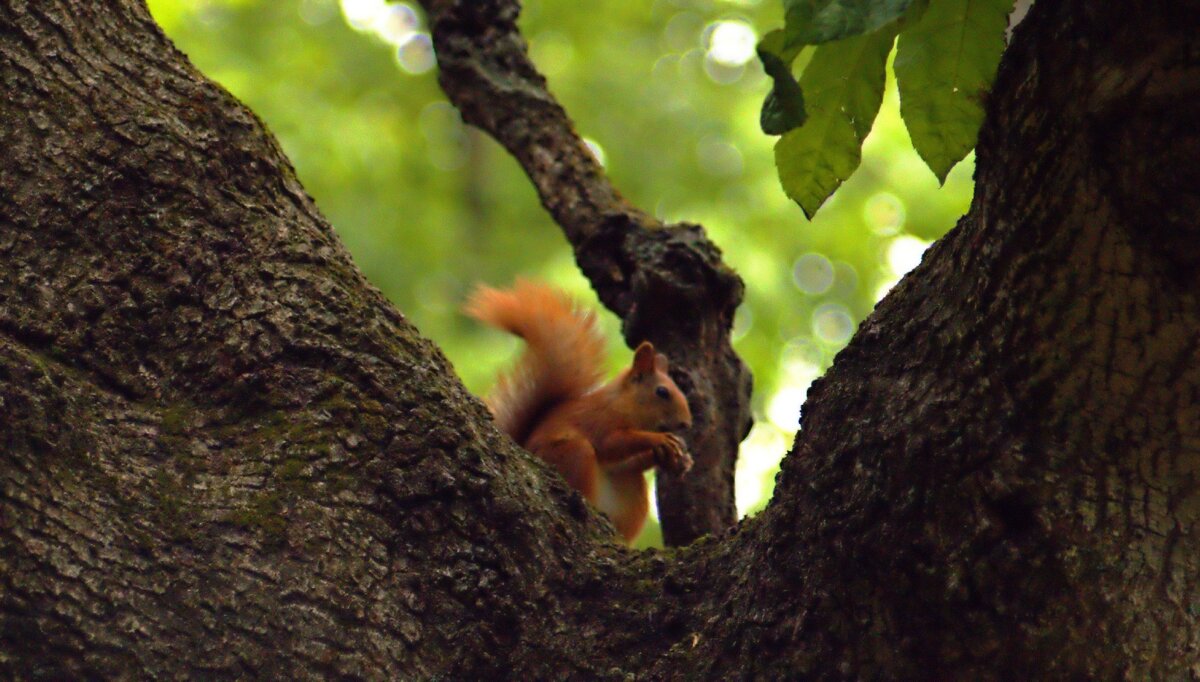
x: 650, y: 274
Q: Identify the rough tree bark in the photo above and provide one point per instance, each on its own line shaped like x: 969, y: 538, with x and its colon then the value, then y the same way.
x: 225, y: 455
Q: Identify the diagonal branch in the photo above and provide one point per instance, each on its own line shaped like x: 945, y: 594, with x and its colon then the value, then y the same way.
x: 667, y: 283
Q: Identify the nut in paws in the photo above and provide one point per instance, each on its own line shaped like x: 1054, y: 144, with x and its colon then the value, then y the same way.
x: 672, y: 455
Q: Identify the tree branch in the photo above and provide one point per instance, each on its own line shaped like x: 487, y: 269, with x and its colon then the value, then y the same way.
x: 667, y: 284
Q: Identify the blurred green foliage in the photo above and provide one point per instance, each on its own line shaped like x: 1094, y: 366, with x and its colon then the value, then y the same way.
x: 669, y: 93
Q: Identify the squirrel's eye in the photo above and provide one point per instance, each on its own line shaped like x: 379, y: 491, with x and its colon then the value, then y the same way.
x: 662, y: 392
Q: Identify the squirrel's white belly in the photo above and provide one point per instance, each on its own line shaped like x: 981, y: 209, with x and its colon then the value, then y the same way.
x: 607, y: 499
x: 623, y: 500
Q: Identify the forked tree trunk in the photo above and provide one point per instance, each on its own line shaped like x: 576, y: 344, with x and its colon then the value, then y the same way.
x: 224, y: 454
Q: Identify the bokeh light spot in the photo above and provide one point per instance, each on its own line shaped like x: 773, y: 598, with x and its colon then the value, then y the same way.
x: 783, y: 409
x: 731, y: 42
x: 682, y: 31
x: 743, y: 322
x: 813, y: 273
x: 845, y: 279
x: 552, y: 52
x: 884, y: 213
x: 904, y: 253
x: 362, y: 14
x: 595, y: 148
x: 758, y: 460
x: 722, y: 74
x: 798, y: 360
x: 832, y: 324
x: 397, y: 24
x: 416, y: 54
x: 884, y: 287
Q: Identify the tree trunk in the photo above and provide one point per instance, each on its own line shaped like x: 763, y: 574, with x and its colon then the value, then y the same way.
x: 225, y: 455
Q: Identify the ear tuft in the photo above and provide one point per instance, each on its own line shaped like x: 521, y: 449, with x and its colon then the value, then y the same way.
x: 644, y: 359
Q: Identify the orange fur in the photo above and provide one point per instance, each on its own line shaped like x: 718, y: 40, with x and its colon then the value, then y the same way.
x: 600, y: 437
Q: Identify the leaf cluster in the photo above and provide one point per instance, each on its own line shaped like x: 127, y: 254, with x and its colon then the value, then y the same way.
x: 946, y: 53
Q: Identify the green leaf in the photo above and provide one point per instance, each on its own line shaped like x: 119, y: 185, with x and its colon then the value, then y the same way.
x: 849, y: 76
x: 843, y: 86
x: 781, y: 113
x: 944, y: 67
x: 811, y: 22
x: 783, y: 108
x: 814, y: 159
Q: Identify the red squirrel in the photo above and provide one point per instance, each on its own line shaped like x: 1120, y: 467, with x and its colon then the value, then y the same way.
x: 600, y: 436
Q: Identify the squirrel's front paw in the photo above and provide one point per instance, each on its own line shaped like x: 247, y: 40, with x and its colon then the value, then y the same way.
x: 672, y: 455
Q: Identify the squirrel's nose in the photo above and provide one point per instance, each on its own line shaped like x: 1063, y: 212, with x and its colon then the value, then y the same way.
x: 683, y: 425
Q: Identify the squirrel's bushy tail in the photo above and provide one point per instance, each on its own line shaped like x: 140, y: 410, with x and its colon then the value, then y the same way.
x: 563, y: 360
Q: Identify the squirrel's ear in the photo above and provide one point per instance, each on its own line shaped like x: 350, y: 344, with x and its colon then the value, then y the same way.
x: 660, y: 361
x: 643, y: 359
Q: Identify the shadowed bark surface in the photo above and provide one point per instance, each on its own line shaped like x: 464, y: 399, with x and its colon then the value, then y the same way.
x: 225, y: 455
